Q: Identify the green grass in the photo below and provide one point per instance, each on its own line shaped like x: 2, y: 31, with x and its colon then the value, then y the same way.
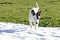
x: 17, y: 11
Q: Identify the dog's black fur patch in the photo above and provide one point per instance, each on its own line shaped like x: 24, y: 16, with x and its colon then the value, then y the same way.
x: 33, y: 13
x: 38, y: 14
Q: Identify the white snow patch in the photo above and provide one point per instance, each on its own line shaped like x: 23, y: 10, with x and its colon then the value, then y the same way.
x: 11, y: 31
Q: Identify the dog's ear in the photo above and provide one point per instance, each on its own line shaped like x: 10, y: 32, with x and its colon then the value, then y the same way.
x: 39, y: 12
x: 33, y: 13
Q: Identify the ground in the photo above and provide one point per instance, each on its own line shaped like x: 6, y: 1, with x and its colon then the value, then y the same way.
x: 12, y: 31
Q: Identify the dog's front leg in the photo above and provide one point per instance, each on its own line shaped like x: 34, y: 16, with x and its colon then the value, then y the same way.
x: 36, y: 25
x: 31, y: 25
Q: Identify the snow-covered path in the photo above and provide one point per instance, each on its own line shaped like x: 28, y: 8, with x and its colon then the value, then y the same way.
x: 11, y: 31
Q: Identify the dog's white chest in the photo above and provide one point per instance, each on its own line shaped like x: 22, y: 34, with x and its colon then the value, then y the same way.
x: 31, y: 17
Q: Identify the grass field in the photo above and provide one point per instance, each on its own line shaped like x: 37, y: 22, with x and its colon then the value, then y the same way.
x: 17, y: 11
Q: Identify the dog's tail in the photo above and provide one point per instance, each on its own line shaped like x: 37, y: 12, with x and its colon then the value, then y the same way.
x: 37, y: 5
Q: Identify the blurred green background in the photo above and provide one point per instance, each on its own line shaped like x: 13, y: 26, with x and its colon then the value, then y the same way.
x: 17, y: 11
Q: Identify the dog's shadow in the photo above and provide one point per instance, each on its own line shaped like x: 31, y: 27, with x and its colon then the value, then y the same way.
x: 12, y: 31
x: 7, y: 31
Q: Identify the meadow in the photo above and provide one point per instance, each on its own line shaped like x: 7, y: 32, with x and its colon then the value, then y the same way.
x: 17, y: 11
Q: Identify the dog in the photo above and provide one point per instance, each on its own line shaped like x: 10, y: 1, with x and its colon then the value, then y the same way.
x: 34, y: 16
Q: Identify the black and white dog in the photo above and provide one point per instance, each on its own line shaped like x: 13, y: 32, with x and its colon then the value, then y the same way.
x: 34, y: 16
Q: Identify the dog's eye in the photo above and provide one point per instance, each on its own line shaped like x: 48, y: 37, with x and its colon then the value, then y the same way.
x: 38, y: 14
x: 34, y: 14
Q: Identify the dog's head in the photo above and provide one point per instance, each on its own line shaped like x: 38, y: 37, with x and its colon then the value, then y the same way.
x: 36, y: 13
